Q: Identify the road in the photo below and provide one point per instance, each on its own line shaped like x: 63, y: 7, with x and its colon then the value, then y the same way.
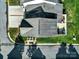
x: 3, y: 20
x: 49, y: 51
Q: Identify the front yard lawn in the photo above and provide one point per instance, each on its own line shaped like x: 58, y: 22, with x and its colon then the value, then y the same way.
x: 13, y: 32
x: 72, y: 10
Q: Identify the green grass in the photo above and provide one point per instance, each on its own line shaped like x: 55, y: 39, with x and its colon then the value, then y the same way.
x: 13, y: 32
x: 72, y: 10
x: 14, y: 2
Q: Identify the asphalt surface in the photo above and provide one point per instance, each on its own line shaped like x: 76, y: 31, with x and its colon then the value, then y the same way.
x: 49, y: 51
x: 3, y: 20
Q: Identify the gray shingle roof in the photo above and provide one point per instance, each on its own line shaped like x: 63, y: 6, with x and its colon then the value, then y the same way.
x: 39, y: 12
x: 26, y: 0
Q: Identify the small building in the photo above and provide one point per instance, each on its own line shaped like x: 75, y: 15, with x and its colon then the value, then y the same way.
x: 40, y: 18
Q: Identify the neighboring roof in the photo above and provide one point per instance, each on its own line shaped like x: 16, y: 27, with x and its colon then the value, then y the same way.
x: 39, y: 12
x: 37, y: 2
x: 24, y: 23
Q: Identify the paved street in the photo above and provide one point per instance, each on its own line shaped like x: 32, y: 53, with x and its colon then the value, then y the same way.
x: 49, y: 51
x: 3, y: 20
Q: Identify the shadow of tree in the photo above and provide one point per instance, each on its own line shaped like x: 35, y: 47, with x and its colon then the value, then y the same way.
x: 62, y: 54
x: 1, y: 56
x: 17, y: 51
x: 73, y: 54
x: 35, y: 53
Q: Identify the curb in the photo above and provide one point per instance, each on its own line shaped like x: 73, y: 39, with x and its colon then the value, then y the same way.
x: 43, y: 44
x: 36, y: 44
x: 55, y: 44
x: 10, y: 38
x: 51, y: 44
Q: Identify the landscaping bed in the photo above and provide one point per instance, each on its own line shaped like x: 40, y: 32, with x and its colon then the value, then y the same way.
x: 14, y: 34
